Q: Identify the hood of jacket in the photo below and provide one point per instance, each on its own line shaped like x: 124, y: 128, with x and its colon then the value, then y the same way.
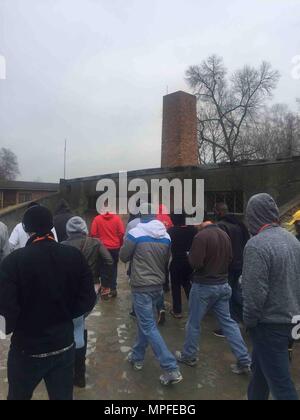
x: 262, y: 210
x: 108, y: 215
x: 155, y: 229
x: 76, y: 226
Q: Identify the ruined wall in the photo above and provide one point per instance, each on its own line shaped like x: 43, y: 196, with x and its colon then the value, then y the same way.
x: 280, y: 178
x: 14, y: 215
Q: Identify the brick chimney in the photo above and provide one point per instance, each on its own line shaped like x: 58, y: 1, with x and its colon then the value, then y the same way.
x: 179, y: 134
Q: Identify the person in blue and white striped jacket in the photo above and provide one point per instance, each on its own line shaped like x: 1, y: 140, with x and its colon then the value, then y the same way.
x: 148, y: 247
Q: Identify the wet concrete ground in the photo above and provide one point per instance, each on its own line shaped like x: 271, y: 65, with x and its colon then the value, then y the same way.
x: 110, y: 377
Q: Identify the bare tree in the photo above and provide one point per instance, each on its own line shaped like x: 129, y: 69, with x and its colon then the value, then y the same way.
x: 227, y: 105
x: 276, y: 133
x: 9, y: 168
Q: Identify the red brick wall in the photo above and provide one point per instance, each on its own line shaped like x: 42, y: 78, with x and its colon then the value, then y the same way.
x: 179, y: 136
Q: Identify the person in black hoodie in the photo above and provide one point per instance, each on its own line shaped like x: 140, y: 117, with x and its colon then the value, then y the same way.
x: 62, y: 215
x: 43, y: 287
x: 239, y: 236
x: 182, y: 237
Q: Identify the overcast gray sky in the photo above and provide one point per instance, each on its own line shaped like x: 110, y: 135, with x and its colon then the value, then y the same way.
x: 95, y: 71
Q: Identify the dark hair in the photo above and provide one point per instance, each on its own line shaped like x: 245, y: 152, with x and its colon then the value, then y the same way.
x: 178, y: 219
x: 133, y: 217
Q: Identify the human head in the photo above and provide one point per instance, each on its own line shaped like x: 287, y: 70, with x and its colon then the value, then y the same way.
x: 147, y: 212
x: 221, y: 209
x: 76, y: 225
x: 262, y: 210
x: 38, y: 220
x: 178, y: 219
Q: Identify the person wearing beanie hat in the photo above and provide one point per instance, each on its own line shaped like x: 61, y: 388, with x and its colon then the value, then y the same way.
x: 100, y: 263
x: 296, y: 223
x: 43, y: 287
x: 19, y: 238
x: 38, y: 220
x: 147, y: 246
x: 271, y: 292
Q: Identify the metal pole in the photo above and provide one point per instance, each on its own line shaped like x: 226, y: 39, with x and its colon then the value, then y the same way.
x: 65, y: 160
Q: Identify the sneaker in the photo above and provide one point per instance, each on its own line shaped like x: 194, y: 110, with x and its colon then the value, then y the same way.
x: 181, y: 359
x: 161, y: 317
x: 219, y: 334
x: 239, y: 369
x: 176, y: 316
x: 138, y: 366
x: 171, y: 378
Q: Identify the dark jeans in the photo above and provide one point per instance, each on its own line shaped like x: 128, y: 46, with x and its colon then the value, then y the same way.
x: 115, y: 256
x: 25, y: 374
x: 180, y: 278
x: 270, y: 364
x: 236, y: 301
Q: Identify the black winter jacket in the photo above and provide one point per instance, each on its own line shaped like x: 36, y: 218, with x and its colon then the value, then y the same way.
x: 239, y: 236
x: 43, y: 287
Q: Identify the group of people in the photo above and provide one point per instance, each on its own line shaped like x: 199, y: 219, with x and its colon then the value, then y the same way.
x: 53, y: 270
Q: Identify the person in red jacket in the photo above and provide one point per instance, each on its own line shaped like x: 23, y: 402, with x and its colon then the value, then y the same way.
x: 109, y: 228
x: 164, y: 217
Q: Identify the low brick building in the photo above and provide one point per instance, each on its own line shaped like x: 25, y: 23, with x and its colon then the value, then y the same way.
x: 17, y: 192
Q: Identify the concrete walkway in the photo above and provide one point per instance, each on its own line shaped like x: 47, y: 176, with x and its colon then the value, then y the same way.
x: 111, y: 335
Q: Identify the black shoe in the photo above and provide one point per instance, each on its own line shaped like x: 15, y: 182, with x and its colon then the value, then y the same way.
x: 113, y: 294
x: 80, y: 382
x: 219, y: 334
x: 79, y: 365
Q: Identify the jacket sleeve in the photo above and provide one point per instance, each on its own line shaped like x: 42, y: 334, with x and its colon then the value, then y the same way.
x: 128, y: 248
x: 86, y: 296
x: 94, y: 229
x: 198, y: 252
x: 14, y: 238
x: 121, y: 231
x: 9, y: 305
x: 255, y: 285
x: 105, y: 256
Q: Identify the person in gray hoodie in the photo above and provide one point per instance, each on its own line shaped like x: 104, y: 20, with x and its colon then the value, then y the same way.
x: 148, y: 246
x: 4, y: 242
x: 271, y: 291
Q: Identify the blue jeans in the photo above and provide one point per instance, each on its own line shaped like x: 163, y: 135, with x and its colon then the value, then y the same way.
x: 216, y: 298
x: 270, y: 364
x: 145, y: 306
x: 25, y: 373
